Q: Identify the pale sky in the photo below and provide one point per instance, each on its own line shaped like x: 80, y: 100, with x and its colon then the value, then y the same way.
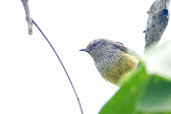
x: 32, y: 80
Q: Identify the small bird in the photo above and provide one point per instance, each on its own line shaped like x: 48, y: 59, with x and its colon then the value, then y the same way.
x: 112, y: 59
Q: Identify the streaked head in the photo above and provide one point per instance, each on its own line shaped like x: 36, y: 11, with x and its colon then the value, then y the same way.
x: 101, y: 46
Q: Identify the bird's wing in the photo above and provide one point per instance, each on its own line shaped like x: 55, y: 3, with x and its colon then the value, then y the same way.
x: 122, y: 47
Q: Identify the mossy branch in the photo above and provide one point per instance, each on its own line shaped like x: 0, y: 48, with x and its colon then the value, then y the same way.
x: 158, y: 17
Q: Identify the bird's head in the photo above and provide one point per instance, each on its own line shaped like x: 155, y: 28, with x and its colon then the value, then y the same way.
x: 102, y: 46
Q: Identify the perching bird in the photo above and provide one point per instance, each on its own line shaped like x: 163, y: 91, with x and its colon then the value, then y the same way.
x: 112, y: 59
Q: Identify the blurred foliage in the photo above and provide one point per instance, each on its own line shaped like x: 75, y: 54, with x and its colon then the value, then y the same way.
x: 147, y: 90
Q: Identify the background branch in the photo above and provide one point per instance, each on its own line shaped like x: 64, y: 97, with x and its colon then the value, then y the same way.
x: 30, y: 22
x: 28, y: 18
x: 158, y: 17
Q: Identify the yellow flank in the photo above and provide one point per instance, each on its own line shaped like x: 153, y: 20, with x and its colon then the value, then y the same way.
x: 119, y: 67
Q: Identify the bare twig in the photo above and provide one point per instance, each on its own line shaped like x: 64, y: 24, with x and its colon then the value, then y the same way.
x: 61, y: 64
x: 28, y: 18
x: 158, y: 17
x: 30, y: 22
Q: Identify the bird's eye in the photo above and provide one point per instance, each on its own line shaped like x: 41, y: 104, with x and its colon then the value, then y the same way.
x: 94, y: 45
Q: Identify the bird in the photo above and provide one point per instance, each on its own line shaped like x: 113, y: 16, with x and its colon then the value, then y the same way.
x: 112, y: 59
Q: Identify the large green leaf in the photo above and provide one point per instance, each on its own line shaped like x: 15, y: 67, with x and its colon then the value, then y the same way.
x: 148, y: 89
x: 158, y: 60
x: 156, y: 97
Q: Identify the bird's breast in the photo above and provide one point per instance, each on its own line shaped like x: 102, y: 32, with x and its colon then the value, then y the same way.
x: 112, y: 67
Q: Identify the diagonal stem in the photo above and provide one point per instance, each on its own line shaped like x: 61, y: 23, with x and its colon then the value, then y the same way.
x: 81, y: 109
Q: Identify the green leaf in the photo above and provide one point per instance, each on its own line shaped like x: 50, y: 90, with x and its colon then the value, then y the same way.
x: 148, y: 89
x: 158, y: 60
x: 156, y: 97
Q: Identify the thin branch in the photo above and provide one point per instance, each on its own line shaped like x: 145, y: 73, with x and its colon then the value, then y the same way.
x: 30, y: 22
x: 28, y: 18
x: 158, y: 17
x: 81, y: 109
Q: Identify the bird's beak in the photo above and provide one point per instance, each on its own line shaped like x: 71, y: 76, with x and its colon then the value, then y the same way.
x: 83, y: 50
